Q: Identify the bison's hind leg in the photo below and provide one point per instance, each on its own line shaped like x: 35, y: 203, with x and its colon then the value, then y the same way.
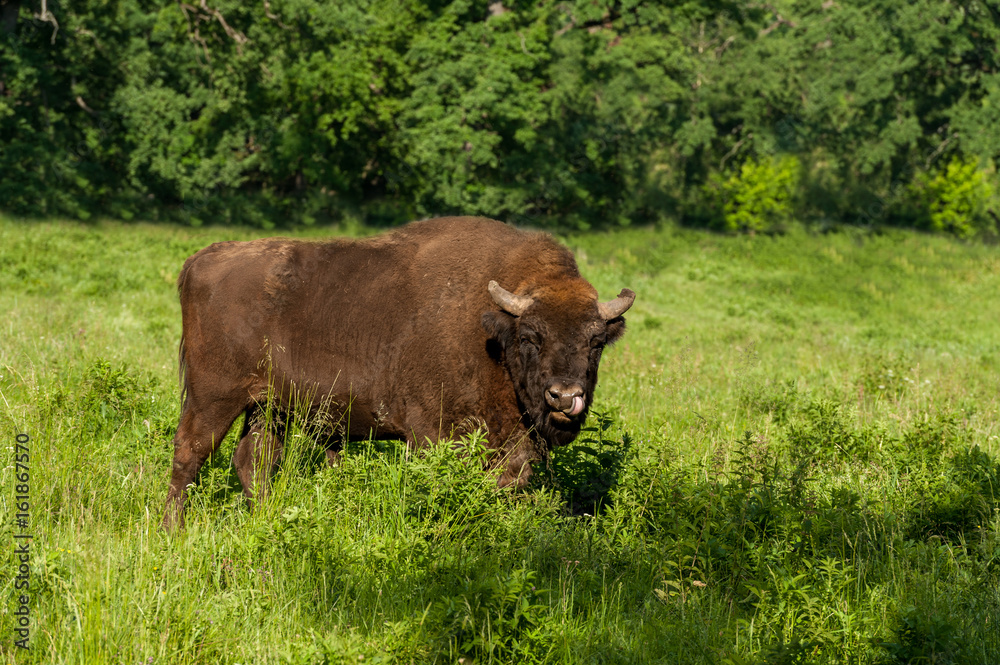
x: 333, y: 456
x: 198, y: 435
x: 258, y: 453
x: 333, y: 446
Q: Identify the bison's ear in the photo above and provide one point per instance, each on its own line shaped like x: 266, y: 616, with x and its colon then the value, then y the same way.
x: 499, y: 326
x: 615, y: 329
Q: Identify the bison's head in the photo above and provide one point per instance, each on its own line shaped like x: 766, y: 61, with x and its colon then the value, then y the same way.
x: 552, y: 341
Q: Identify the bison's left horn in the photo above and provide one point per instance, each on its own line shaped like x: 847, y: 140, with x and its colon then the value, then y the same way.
x: 615, y: 308
x: 510, y: 303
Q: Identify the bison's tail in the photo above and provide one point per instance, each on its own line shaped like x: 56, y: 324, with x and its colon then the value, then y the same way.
x: 181, y: 355
x: 182, y: 370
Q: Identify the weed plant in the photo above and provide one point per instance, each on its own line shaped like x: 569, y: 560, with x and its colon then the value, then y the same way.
x: 793, y: 458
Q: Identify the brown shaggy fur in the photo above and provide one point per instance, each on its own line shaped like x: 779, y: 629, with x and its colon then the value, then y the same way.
x: 397, y: 334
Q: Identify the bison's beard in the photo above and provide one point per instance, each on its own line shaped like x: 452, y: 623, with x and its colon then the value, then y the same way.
x: 552, y: 428
x: 560, y: 431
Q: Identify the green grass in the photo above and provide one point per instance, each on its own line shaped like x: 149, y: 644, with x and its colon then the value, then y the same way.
x: 792, y: 459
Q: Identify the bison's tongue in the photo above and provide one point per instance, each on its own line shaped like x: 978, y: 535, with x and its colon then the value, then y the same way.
x: 578, y: 404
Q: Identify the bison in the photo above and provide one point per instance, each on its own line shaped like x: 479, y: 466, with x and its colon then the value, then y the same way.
x: 422, y: 334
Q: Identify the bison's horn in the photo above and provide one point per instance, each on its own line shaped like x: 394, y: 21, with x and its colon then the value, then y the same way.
x: 510, y: 303
x: 615, y: 308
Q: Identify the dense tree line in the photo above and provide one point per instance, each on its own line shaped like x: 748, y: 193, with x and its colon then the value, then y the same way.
x: 571, y: 112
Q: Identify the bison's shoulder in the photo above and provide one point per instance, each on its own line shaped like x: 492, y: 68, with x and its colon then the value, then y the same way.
x: 486, y: 247
x: 455, y: 227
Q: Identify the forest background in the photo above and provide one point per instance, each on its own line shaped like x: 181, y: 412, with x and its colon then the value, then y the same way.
x: 569, y: 114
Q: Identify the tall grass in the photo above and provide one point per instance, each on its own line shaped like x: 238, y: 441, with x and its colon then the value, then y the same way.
x: 792, y: 458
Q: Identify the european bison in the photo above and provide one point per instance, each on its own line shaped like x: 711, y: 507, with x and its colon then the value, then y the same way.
x: 421, y: 334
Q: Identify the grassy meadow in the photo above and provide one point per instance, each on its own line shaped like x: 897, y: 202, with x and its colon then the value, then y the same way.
x: 793, y: 458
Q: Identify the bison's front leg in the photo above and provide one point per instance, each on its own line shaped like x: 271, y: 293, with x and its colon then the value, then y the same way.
x: 257, y: 455
x: 515, y: 458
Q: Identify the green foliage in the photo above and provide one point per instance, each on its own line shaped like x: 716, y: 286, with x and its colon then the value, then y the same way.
x: 960, y: 499
x: 759, y: 196
x: 823, y: 435
x: 115, y: 396
x: 111, y: 391
x: 334, y: 649
x: 924, y: 638
x: 587, y: 470
x: 957, y: 199
x: 568, y: 114
x: 500, y: 619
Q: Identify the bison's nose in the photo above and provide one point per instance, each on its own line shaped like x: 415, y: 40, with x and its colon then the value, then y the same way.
x: 566, y: 398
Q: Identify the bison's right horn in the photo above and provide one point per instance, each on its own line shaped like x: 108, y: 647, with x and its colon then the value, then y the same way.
x: 615, y: 308
x: 508, y: 302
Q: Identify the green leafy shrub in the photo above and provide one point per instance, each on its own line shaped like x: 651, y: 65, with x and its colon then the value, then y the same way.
x: 449, y: 484
x: 777, y: 398
x: 760, y: 195
x: 115, y: 395
x: 961, y: 499
x: 928, y: 440
x: 789, y: 610
x: 957, y: 198
x: 326, y: 649
x: 822, y: 433
x: 499, y: 619
x: 976, y: 468
x: 588, y: 469
x: 923, y: 637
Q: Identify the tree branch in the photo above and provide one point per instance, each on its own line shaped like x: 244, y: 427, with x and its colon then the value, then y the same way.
x: 722, y: 49
x: 572, y: 20
x: 235, y: 35
x: 82, y: 104
x: 274, y: 17
x: 48, y: 17
x: 736, y: 147
x: 778, y: 21
x: 937, y: 151
x: 205, y: 13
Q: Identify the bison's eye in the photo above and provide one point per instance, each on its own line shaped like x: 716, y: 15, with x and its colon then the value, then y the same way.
x: 530, y: 339
x: 598, y: 341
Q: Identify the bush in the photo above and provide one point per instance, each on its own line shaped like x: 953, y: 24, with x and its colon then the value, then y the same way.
x: 587, y: 470
x: 115, y: 395
x: 759, y: 197
x: 956, y: 199
x: 501, y: 617
x: 923, y: 637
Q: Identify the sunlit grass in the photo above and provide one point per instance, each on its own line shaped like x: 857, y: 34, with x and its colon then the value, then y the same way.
x: 796, y: 463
